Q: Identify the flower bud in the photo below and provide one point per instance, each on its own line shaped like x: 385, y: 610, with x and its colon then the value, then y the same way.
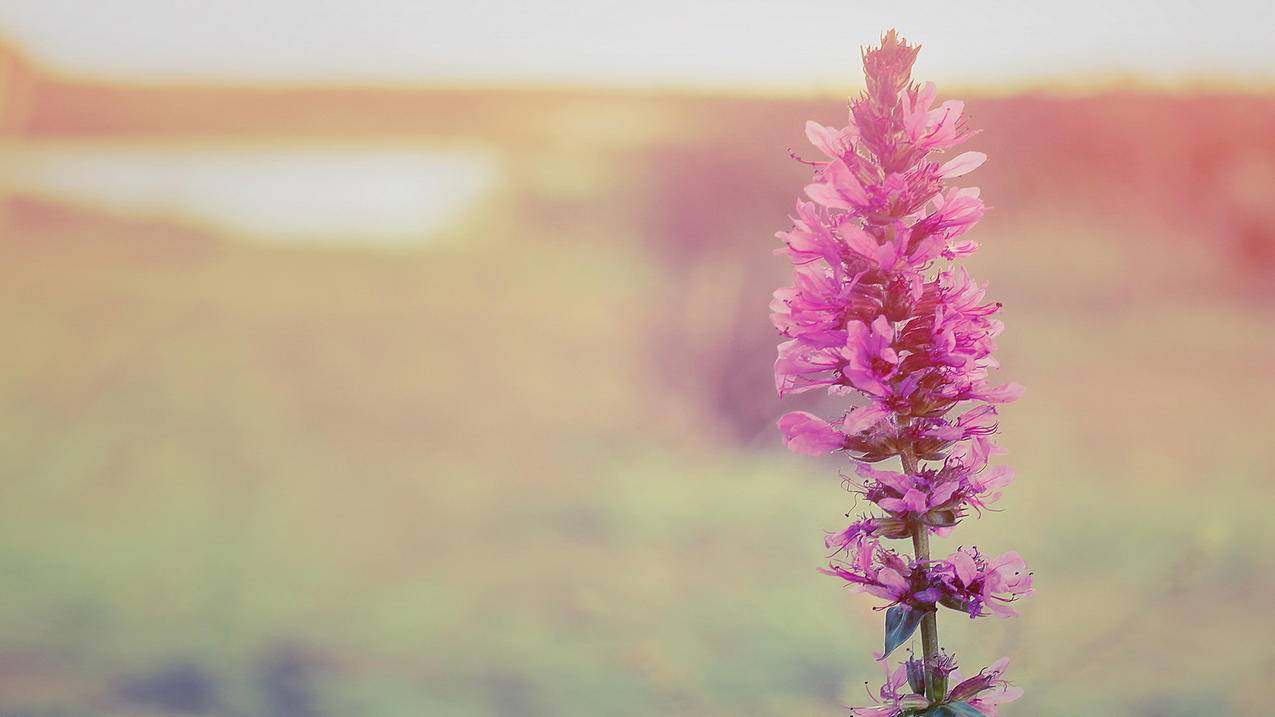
x: 916, y: 676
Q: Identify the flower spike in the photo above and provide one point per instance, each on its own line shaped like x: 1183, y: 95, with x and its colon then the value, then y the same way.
x: 880, y: 308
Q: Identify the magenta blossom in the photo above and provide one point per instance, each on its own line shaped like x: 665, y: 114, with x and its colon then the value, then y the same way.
x: 903, y: 692
x: 935, y: 497
x: 880, y: 311
x: 809, y: 434
x: 844, y: 540
x: 980, y: 586
x: 985, y: 691
x: 864, y: 313
x: 885, y: 574
x: 895, y: 697
x: 965, y: 581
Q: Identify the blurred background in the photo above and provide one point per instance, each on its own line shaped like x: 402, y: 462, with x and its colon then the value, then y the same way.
x: 399, y: 359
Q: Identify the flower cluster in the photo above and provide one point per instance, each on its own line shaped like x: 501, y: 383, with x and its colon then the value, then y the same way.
x: 965, y: 581
x: 904, y: 689
x: 936, y: 497
x: 880, y: 309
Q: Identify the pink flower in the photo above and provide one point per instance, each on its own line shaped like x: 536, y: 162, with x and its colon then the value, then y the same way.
x: 978, y: 421
x: 871, y: 357
x: 809, y: 434
x: 835, y: 143
x: 801, y: 367
x: 965, y: 581
x: 896, y: 696
x: 851, y: 536
x: 854, y: 533
x: 875, y: 308
x: 985, y: 691
x: 860, y: 314
x: 964, y: 163
x: 838, y: 187
x: 858, y: 420
x: 810, y: 238
x: 981, y: 587
x: 936, y: 497
x: 885, y: 574
x: 903, y: 690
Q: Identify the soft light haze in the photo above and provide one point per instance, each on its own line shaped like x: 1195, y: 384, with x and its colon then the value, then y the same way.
x: 795, y: 45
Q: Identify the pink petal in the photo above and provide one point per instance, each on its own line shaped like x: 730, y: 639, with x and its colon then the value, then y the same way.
x: 965, y: 567
x: 826, y: 195
x: 882, y: 327
x: 997, y: 477
x: 1007, y: 563
x: 894, y: 505
x: 864, y: 559
x: 891, y: 579
x: 926, y: 96
x: 861, y: 419
x: 947, y: 113
x: 1001, y: 696
x: 859, y: 241
x: 831, y: 141
x: 892, y: 479
x: 962, y: 164
x: 845, y: 182
x: 809, y: 434
x: 1004, y: 393
x: 940, y: 495
x: 914, y: 500
x: 1000, y: 609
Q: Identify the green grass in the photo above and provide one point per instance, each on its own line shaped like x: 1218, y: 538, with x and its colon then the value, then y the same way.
x: 451, y: 483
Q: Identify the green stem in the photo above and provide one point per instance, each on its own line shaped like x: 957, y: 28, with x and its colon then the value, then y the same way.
x: 935, y: 689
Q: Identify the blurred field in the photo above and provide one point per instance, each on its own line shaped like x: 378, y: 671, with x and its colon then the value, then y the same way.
x: 525, y: 465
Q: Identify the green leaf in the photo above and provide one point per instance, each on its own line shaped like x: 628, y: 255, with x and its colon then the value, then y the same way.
x: 900, y: 623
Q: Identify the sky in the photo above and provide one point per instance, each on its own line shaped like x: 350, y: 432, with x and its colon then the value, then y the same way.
x: 792, y: 45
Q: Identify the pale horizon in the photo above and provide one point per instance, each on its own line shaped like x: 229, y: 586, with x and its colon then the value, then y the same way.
x: 804, y: 46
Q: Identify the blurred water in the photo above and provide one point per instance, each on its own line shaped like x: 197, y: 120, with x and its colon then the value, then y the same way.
x: 264, y: 189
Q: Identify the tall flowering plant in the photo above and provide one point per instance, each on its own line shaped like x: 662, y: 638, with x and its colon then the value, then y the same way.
x: 880, y: 308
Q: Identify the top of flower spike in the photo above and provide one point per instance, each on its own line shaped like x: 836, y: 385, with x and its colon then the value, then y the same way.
x: 871, y: 311
x: 888, y: 67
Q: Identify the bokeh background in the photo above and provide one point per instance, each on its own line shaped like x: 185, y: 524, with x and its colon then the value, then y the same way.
x: 392, y: 359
